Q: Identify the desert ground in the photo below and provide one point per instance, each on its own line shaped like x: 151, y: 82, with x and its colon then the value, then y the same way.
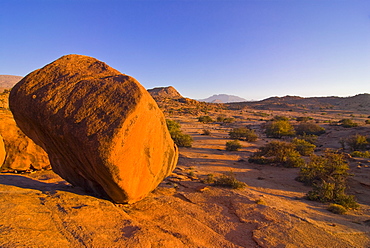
x: 40, y: 209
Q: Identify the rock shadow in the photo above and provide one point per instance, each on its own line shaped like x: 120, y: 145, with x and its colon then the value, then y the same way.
x: 44, y: 187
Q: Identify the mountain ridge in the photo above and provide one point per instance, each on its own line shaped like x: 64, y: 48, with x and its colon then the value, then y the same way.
x: 223, y: 98
x: 8, y: 81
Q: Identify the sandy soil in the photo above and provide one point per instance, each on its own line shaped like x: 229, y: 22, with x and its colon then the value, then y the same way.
x: 42, y: 210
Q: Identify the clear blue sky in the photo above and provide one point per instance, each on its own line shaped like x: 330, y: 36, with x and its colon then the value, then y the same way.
x: 253, y: 49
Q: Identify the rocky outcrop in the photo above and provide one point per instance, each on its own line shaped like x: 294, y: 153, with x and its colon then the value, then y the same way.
x: 22, y: 154
x: 165, y: 92
x: 101, y: 129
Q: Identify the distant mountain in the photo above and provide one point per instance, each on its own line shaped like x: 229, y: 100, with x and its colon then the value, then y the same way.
x: 8, y: 81
x: 223, y: 98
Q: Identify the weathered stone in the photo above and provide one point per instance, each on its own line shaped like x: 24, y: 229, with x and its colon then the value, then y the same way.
x: 22, y: 154
x: 101, y: 129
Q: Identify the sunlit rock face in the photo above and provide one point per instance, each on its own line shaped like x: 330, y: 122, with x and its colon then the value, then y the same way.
x: 17, y: 151
x: 101, y: 129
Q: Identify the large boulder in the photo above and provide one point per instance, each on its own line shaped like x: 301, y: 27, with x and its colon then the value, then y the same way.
x: 101, y: 129
x: 22, y: 154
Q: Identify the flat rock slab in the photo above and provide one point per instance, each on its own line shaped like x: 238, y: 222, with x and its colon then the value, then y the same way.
x: 101, y: 129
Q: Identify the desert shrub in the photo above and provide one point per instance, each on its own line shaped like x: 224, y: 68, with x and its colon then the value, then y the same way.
x: 259, y: 159
x: 233, y: 145
x: 304, y: 118
x: 357, y: 142
x: 206, y: 132
x: 210, y: 178
x: 243, y: 133
x: 278, y: 152
x: 180, y: 139
x: 365, y: 154
x: 229, y: 120
x: 280, y: 118
x: 303, y: 147
x: 367, y: 122
x: 308, y: 137
x: 205, y: 119
x: 278, y: 129
x: 327, y: 175
x: 173, y: 126
x: 261, y: 114
x: 347, y: 123
x: 228, y: 180
x: 225, y: 119
x: 309, y: 128
x: 220, y: 119
x: 337, y: 209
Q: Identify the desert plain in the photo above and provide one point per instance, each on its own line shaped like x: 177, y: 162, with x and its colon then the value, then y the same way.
x: 40, y: 209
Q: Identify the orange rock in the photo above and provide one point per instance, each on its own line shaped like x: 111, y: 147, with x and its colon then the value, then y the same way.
x: 22, y: 154
x: 101, y: 129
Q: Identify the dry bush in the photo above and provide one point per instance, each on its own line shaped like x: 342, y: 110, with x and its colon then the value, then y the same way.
x: 278, y: 129
x: 309, y: 128
x: 278, y: 152
x: 233, y: 145
x: 328, y: 176
x: 180, y: 139
x: 243, y: 133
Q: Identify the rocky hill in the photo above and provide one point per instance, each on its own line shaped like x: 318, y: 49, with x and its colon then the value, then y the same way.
x: 8, y: 81
x: 165, y: 92
x: 223, y: 98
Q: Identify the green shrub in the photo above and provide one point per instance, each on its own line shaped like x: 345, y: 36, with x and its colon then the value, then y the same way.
x: 337, y: 209
x: 309, y: 138
x: 278, y: 152
x: 367, y: 122
x: 347, y: 123
x: 261, y: 114
x: 173, y: 126
x: 205, y: 119
x: 220, y: 119
x: 229, y: 120
x: 278, y: 129
x: 258, y: 159
x: 280, y: 118
x: 303, y: 147
x: 210, y: 178
x: 233, y: 145
x: 304, y: 118
x: 357, y: 142
x: 180, y: 139
x: 228, y: 180
x: 243, y: 133
x: 309, y: 128
x: 365, y: 154
x: 327, y: 175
